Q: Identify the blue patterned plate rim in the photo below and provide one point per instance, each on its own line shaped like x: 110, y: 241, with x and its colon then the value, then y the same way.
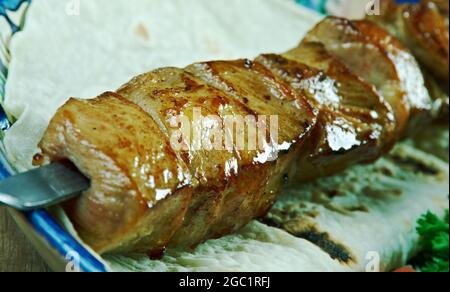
x: 41, y: 220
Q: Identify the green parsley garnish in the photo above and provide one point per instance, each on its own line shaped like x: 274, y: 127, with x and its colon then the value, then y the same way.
x: 434, y: 243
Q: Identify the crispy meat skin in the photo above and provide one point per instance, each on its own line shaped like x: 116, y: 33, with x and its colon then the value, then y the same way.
x: 333, y: 112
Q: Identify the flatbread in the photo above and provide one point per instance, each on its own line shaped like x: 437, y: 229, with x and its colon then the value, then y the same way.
x: 361, y: 220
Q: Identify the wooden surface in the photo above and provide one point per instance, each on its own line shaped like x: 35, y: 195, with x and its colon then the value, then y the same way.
x: 16, y: 252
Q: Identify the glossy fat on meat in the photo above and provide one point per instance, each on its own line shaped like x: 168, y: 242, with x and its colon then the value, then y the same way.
x: 126, y: 208
x: 354, y: 124
x: 411, y: 78
x: 263, y: 94
x: 381, y: 60
x: 140, y: 189
x: 424, y: 30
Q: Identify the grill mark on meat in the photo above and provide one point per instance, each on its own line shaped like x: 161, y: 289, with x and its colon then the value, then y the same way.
x: 168, y: 152
x: 222, y: 74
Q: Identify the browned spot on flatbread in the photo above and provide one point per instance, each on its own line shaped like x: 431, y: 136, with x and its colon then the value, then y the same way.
x: 142, y: 32
x: 307, y: 229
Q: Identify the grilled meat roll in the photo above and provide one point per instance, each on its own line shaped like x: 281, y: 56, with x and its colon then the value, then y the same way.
x: 152, y: 188
x: 229, y: 187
